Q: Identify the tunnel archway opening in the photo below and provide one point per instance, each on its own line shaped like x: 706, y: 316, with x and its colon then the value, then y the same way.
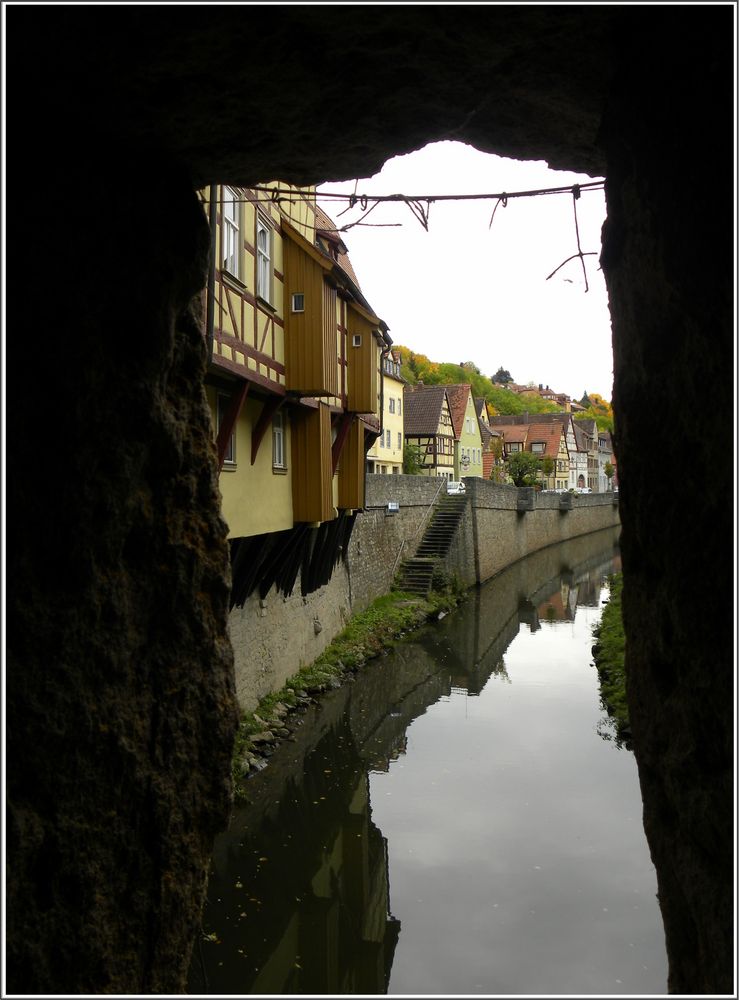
x: 491, y: 280
x: 119, y: 691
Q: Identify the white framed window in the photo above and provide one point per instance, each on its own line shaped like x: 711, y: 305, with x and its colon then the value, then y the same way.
x: 231, y: 233
x: 298, y: 302
x: 387, y: 440
x: 222, y: 404
x: 514, y: 446
x: 356, y: 340
x: 538, y: 447
x: 391, y: 404
x: 264, y: 260
x: 400, y: 441
x: 400, y: 405
x: 278, y: 441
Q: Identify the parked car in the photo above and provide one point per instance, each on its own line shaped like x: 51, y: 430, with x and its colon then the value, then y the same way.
x: 454, y: 486
x: 583, y: 489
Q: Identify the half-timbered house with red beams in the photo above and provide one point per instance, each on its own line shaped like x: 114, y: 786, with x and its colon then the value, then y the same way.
x: 294, y: 385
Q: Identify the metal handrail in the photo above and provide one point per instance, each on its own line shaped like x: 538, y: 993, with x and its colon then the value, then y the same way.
x: 420, y: 525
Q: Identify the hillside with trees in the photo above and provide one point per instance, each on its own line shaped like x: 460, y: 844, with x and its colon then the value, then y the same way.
x: 416, y: 367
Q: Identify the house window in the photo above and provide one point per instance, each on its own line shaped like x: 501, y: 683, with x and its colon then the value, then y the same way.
x: 230, y: 232
x: 298, y: 302
x: 223, y: 401
x: 387, y: 441
x: 538, y: 447
x: 400, y: 441
x: 264, y: 260
x: 391, y: 404
x: 278, y: 441
x: 514, y: 446
x: 400, y: 406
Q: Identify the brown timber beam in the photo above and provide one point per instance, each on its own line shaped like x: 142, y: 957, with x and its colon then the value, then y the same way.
x: 269, y: 409
x: 345, y: 422
x: 226, y: 428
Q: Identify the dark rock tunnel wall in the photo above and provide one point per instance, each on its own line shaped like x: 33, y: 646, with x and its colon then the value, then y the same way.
x: 120, y: 703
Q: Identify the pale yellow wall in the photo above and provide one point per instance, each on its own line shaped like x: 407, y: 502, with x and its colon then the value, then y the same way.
x: 470, y: 442
x: 392, y: 457
x: 255, y: 499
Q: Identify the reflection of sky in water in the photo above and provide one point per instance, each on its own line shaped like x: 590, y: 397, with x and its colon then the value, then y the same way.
x: 518, y: 861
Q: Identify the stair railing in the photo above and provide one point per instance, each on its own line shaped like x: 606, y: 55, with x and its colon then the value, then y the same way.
x: 420, y: 525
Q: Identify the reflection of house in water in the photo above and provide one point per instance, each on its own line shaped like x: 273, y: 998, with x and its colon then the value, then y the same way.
x: 298, y: 901
x: 312, y: 916
x: 561, y: 605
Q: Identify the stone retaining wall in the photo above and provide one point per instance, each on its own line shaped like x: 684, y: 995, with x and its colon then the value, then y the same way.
x: 273, y: 638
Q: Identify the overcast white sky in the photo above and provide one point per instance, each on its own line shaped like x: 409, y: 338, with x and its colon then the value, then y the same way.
x: 467, y: 292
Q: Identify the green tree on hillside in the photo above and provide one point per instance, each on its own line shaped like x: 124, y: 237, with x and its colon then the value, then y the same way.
x: 504, y: 403
x: 502, y: 376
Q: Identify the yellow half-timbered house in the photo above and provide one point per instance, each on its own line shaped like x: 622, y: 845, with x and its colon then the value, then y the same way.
x: 294, y: 385
x: 428, y: 427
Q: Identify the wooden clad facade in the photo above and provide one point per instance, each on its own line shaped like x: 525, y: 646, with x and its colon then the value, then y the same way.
x: 294, y: 406
x: 311, y: 365
x: 362, y: 370
x: 311, y: 464
x: 351, y: 469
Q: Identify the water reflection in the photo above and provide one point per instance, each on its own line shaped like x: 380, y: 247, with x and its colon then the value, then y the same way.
x: 307, y: 895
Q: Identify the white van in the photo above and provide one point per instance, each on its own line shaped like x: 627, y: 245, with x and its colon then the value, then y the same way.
x: 454, y: 486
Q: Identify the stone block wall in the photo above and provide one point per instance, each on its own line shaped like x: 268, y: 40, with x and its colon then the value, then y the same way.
x: 493, y: 534
x: 273, y: 638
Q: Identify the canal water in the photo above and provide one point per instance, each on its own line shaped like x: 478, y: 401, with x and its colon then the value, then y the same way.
x: 459, y: 820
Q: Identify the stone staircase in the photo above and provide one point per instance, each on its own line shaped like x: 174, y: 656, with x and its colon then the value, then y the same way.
x: 416, y: 574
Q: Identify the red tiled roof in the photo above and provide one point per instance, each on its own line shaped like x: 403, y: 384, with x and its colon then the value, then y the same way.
x: 326, y: 225
x: 458, y: 396
x: 512, y: 432
x: 550, y: 434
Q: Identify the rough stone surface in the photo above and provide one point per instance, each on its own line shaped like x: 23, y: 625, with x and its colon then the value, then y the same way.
x: 121, y: 708
x: 120, y: 697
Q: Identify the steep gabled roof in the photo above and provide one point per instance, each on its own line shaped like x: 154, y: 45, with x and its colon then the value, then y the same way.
x: 458, y: 395
x: 580, y: 434
x: 549, y: 433
x: 423, y: 406
x: 481, y: 409
x: 327, y: 228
